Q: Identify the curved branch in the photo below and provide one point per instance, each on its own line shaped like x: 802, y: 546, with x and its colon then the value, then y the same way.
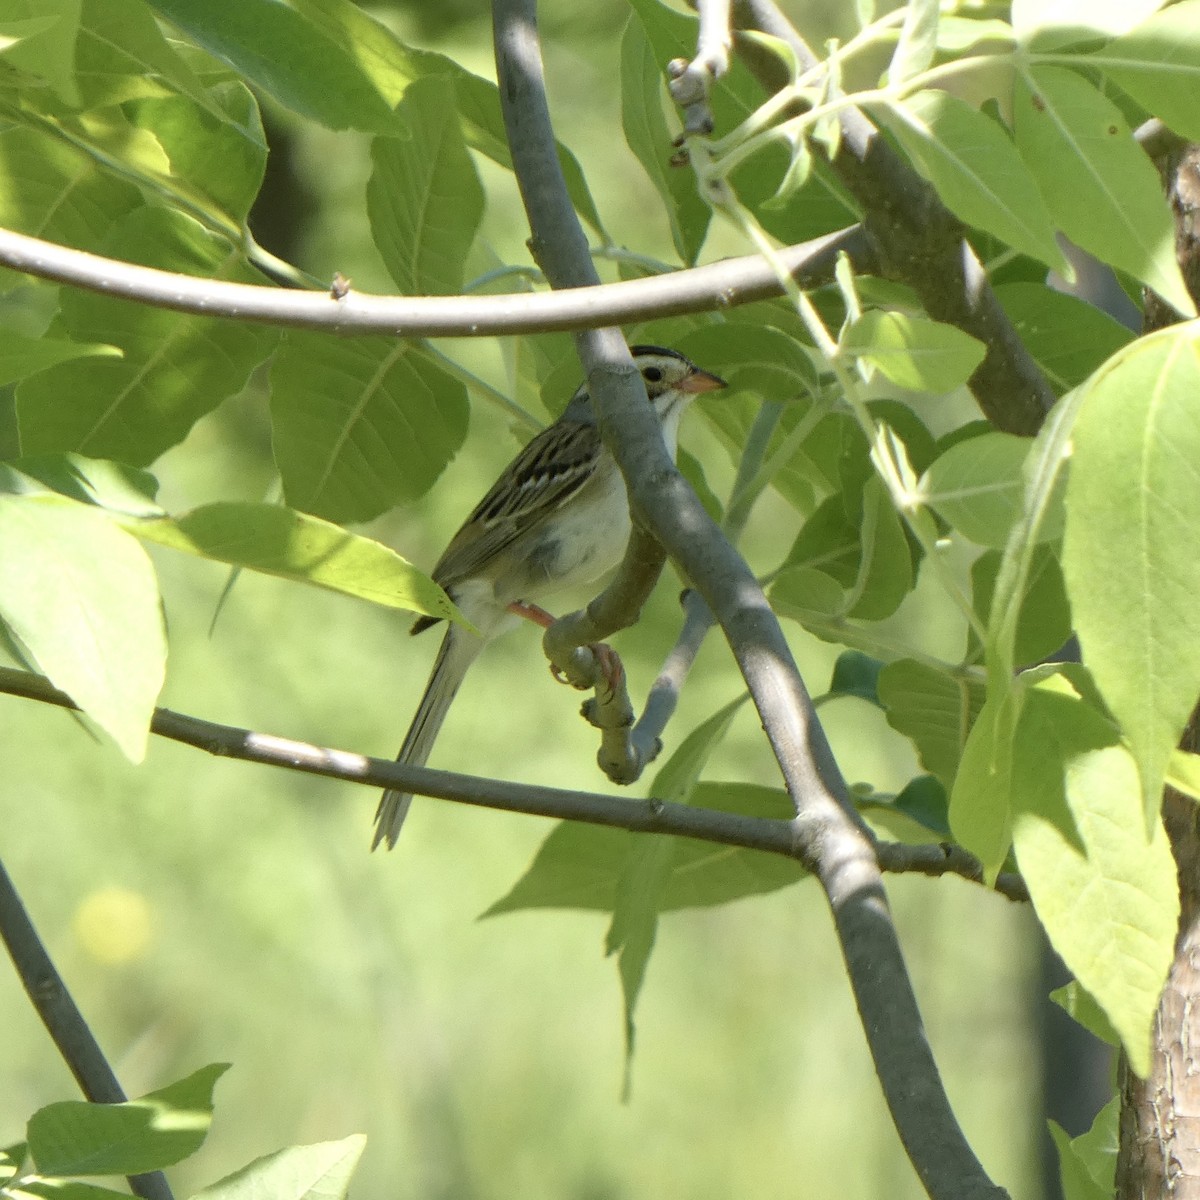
x: 831, y: 841
x: 592, y: 808
x: 699, y: 289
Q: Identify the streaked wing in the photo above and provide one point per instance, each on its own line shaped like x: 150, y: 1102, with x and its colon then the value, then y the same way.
x: 550, y: 470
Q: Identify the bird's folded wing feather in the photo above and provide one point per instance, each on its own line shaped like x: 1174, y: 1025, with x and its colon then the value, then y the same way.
x: 547, y: 473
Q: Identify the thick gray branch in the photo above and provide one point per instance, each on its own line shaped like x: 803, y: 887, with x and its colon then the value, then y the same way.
x: 700, y: 289
x: 831, y: 841
x: 593, y: 808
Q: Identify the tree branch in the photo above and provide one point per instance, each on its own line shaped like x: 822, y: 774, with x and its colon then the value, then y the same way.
x: 592, y: 808
x: 699, y: 289
x: 921, y: 243
x: 63, y: 1021
x: 831, y: 840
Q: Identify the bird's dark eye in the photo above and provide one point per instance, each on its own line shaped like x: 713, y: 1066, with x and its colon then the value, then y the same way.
x: 652, y: 374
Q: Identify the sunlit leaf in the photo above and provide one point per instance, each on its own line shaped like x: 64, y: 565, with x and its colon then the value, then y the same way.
x: 976, y: 170
x: 81, y: 596
x: 292, y: 545
x: 914, y: 352
x: 1104, y: 888
x: 148, y: 1134
x: 1101, y: 189
x: 1158, y: 63
x: 1133, y: 502
x: 318, y: 1172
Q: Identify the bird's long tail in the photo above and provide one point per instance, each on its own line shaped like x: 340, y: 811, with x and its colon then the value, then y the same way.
x: 458, y: 650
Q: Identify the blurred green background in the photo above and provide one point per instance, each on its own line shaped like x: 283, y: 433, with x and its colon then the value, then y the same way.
x: 204, y: 910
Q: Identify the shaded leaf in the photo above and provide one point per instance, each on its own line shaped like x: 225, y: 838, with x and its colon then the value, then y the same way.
x: 1068, y: 337
x: 424, y: 198
x: 360, y: 425
x: 934, y: 709
x: 175, y: 367
x: 646, y: 132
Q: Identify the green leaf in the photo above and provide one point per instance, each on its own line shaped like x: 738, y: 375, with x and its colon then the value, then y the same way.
x: 809, y: 596
x: 634, y: 926
x: 81, y: 596
x: 1075, y: 1180
x: 885, y: 571
x: 12, y: 1159
x: 578, y: 866
x: 292, y: 545
x: 1055, y: 22
x: 1102, y: 191
x: 821, y: 206
x: 1068, y: 337
x: 120, y: 55
x: 856, y: 674
x: 934, y: 709
x: 918, y: 41
x: 1044, y: 621
x: 1133, y: 504
x: 112, y: 486
x: 1158, y: 64
x: 217, y: 160
x: 424, y: 199
x: 316, y: 57
x: 148, y: 1134
x: 648, y: 137
x: 45, y: 48
x: 175, y: 367
x: 21, y: 355
x: 361, y: 424
x: 1183, y: 773
x: 678, y: 776
x: 1097, y: 1148
x: 913, y: 352
x: 1104, y: 890
x: 963, y: 32
x: 63, y: 1189
x: 54, y: 191
x: 978, y: 485
x: 318, y: 1172
x: 976, y: 170
x: 910, y: 817
x: 1079, y: 1004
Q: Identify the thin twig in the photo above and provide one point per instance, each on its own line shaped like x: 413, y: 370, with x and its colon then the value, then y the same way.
x: 699, y: 289
x: 831, y: 839
x: 921, y: 243
x: 593, y: 808
x: 63, y: 1020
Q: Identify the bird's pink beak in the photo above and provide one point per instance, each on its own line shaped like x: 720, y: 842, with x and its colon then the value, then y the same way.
x: 702, y: 381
